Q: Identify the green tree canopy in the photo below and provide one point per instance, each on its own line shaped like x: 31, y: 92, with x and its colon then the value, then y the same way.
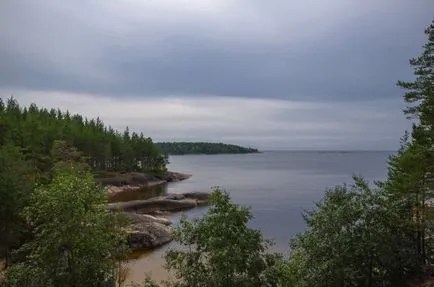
x: 221, y: 250
x: 16, y: 185
x: 35, y: 130
x: 411, y: 172
x: 76, y: 240
x: 355, y: 237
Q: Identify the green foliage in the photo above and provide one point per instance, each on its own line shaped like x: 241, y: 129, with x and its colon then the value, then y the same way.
x: 23, y: 274
x: 76, y: 240
x: 411, y: 173
x: 16, y: 184
x: 420, y: 91
x: 179, y: 148
x: 63, y: 156
x: 35, y: 130
x: 221, y: 250
x: 148, y: 282
x: 355, y: 237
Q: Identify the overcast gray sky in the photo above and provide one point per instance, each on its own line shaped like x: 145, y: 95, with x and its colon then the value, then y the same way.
x: 311, y: 74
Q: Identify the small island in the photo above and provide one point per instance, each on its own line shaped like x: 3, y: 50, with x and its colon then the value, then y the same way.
x: 182, y: 148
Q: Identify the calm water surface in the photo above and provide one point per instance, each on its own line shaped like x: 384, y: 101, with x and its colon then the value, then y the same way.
x: 277, y: 186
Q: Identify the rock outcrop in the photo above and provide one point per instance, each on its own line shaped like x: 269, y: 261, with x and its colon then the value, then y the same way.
x: 169, y: 203
x: 171, y: 176
x: 147, y: 232
x: 135, y: 185
x: 138, y: 178
x: 112, y: 190
x: 199, y: 196
x: 135, y: 218
x: 137, y: 197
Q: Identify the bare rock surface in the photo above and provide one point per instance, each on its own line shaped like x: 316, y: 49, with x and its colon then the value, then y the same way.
x: 147, y: 235
x: 168, y: 203
x: 146, y: 231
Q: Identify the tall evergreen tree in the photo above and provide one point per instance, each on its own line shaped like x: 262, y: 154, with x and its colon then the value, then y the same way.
x: 16, y: 184
x: 411, y: 173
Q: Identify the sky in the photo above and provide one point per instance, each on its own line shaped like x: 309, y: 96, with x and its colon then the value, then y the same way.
x: 276, y: 75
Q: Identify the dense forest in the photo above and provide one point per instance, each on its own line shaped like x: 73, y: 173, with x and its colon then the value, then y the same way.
x: 35, y: 130
x: 58, y: 232
x: 179, y: 148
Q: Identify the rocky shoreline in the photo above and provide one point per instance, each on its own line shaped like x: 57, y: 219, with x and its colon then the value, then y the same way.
x: 147, y: 229
x: 128, y: 186
x: 138, y: 179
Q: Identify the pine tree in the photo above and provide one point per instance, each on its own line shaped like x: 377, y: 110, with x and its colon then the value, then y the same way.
x: 16, y: 184
x: 411, y: 172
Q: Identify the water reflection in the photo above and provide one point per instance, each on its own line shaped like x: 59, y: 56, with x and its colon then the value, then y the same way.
x: 142, y: 193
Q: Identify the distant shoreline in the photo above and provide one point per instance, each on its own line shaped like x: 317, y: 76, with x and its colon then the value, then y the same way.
x: 207, y: 148
x: 227, y: 153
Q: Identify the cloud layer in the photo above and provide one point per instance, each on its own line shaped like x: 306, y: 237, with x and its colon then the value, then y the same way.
x: 286, y: 74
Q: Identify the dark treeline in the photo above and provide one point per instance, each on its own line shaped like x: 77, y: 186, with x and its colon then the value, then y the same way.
x: 35, y: 130
x: 180, y: 148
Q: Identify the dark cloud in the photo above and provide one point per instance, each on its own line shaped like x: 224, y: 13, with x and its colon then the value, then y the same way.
x: 348, y: 51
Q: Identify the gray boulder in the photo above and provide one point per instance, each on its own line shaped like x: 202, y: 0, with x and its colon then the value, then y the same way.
x: 146, y: 231
x: 148, y: 235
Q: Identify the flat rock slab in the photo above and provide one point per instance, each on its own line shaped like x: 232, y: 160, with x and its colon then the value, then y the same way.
x: 113, y: 189
x: 171, y: 176
x: 153, y: 205
x: 197, y: 195
x: 137, y: 178
x: 169, y: 203
x: 135, y: 218
x: 146, y: 231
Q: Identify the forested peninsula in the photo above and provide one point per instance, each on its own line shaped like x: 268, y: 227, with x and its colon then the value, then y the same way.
x: 34, y: 130
x: 58, y: 173
x: 181, y: 148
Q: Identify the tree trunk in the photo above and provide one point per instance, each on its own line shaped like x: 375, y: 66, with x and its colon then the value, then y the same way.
x: 7, y: 256
x: 423, y: 225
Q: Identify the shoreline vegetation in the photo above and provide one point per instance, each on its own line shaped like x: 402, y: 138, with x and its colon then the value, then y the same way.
x: 59, y: 228
x: 184, y: 148
x: 54, y: 166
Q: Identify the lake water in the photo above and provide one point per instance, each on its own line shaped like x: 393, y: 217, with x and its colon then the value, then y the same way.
x: 277, y: 186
